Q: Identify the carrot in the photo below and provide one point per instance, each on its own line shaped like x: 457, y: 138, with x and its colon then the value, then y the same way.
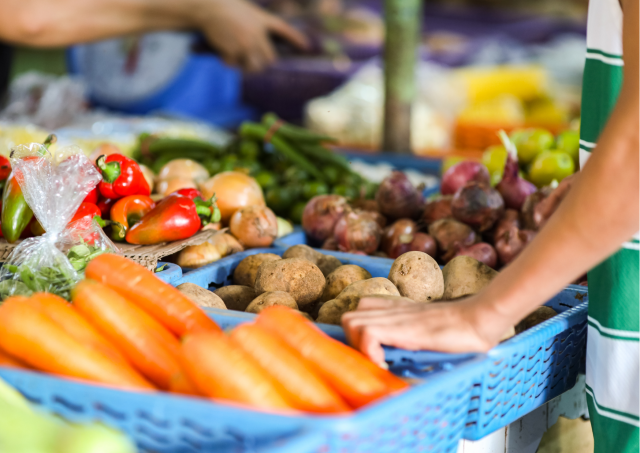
x: 162, y: 301
x: 33, y: 337
x: 222, y: 370
x: 350, y: 373
x: 303, y: 388
x: 150, y: 348
x: 12, y: 362
x: 67, y: 317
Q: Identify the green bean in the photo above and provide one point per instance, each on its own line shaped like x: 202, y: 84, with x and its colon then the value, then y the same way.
x: 295, y: 133
x: 325, y: 155
x: 259, y: 132
x: 166, y: 144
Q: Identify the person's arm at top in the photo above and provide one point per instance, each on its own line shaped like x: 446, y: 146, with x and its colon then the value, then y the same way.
x: 237, y: 28
x: 599, y: 213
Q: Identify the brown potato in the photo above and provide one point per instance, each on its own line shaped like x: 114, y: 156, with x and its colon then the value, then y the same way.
x: 245, y: 273
x: 393, y: 301
x: 306, y: 315
x: 342, y: 277
x: 508, y: 334
x: 540, y: 315
x: 326, y: 263
x: 373, y: 286
x: 236, y: 297
x: 299, y: 277
x: 331, y: 311
x: 418, y: 277
x: 201, y: 296
x: 268, y: 299
x: 464, y: 276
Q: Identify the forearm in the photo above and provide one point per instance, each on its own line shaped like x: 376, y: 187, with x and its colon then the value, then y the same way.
x: 46, y: 23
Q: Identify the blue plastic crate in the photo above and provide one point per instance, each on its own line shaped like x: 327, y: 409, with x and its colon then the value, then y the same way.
x: 430, y: 416
x: 170, y: 273
x: 522, y: 373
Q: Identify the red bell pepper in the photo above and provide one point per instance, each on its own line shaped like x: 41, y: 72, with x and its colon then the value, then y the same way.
x: 85, y: 209
x: 175, y: 217
x: 92, y: 197
x: 189, y: 192
x: 83, y: 221
x: 126, y: 212
x: 121, y: 177
x: 105, y: 204
x: 5, y: 171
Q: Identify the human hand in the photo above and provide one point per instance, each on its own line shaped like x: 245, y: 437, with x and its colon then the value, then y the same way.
x: 240, y: 31
x: 469, y: 325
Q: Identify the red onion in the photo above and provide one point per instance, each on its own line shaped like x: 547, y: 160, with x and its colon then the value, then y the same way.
x: 513, y: 188
x: 357, y: 252
x: 398, y: 198
x: 330, y: 244
x: 321, y: 214
x: 422, y: 242
x: 366, y: 205
x: 511, y: 243
x: 450, y: 234
x: 477, y: 205
x: 399, y: 232
x: 357, y: 231
x: 510, y: 218
x: 437, y: 209
x: 375, y: 215
x: 482, y: 252
x: 546, y: 207
x: 460, y: 174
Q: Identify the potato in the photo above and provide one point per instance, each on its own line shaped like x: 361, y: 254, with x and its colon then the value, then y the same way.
x: 236, y: 297
x: 464, y: 276
x: 342, y: 277
x: 378, y: 286
x: 201, y: 296
x: 540, y: 315
x: 306, y: 315
x: 326, y: 263
x: 245, y: 273
x: 331, y: 311
x: 417, y: 276
x: 508, y: 334
x: 268, y: 299
x: 393, y: 301
x: 299, y: 277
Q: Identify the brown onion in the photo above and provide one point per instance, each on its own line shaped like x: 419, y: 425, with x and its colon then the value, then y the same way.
x: 321, y: 214
x: 477, y: 205
x: 357, y: 231
x: 450, y: 234
x: 437, y: 209
x: 400, y: 231
x: 398, y: 198
x: 254, y: 226
x: 482, y: 252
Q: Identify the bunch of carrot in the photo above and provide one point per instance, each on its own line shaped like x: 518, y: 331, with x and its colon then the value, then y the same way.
x: 125, y: 328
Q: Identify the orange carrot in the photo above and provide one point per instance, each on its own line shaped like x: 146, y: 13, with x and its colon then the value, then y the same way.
x: 33, y: 337
x: 350, y: 373
x: 303, y: 388
x: 12, y: 362
x: 67, y: 317
x: 162, y: 301
x: 222, y: 370
x: 150, y: 348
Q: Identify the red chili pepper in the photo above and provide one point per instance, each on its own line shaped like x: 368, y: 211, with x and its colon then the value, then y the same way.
x: 175, y: 217
x: 189, y: 193
x: 5, y: 171
x: 121, y: 176
x: 92, y: 197
x: 126, y: 212
x: 104, y: 205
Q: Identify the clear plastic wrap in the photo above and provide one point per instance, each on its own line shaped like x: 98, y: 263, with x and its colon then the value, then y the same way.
x: 54, y: 186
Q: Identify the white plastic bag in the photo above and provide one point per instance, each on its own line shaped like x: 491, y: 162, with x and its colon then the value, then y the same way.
x: 53, y: 186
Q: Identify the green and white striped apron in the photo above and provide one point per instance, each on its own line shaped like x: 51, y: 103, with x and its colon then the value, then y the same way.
x: 613, y: 363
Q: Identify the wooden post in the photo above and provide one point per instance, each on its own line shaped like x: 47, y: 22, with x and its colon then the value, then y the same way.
x: 402, y: 22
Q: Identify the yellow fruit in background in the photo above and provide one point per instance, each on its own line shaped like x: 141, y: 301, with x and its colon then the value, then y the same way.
x: 494, y: 159
x: 531, y: 142
x: 550, y: 165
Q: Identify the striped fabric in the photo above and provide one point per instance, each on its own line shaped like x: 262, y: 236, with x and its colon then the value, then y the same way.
x: 613, y: 342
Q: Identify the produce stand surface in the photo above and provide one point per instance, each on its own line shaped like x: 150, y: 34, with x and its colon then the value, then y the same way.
x: 520, y: 374
x: 430, y: 416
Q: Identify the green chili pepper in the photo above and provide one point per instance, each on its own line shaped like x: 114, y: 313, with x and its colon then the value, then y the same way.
x: 16, y: 213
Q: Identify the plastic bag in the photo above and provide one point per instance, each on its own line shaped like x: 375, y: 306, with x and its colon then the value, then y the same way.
x: 53, y: 186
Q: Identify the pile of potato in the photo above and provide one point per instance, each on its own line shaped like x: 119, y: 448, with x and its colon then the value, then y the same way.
x: 323, y: 289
